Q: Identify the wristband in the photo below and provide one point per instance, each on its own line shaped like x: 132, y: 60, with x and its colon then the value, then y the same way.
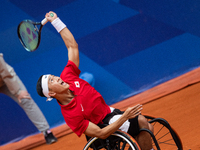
x: 58, y: 24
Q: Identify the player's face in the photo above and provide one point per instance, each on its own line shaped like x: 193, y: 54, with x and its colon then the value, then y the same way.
x: 56, y: 84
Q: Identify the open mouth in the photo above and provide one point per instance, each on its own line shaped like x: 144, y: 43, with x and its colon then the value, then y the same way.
x: 62, y: 83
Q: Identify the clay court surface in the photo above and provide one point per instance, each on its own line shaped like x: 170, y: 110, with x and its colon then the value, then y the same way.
x: 177, y: 101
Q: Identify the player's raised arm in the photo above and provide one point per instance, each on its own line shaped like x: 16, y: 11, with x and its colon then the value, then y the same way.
x: 68, y: 38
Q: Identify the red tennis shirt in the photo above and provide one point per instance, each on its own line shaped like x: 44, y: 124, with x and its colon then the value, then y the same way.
x: 87, y: 105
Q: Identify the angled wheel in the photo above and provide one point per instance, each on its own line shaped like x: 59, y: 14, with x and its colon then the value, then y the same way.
x: 117, y: 141
x: 165, y: 136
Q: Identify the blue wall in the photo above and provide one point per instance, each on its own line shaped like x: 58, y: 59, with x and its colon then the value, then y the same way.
x: 129, y: 47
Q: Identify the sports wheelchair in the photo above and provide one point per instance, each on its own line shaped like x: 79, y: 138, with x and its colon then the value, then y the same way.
x: 163, y: 138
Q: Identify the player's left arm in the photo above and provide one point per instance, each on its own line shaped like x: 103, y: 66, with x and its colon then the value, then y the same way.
x: 94, y: 131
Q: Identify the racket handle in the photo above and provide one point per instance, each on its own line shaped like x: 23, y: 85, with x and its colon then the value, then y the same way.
x: 44, y: 21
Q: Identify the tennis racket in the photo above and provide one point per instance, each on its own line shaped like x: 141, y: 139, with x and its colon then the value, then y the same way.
x: 29, y: 34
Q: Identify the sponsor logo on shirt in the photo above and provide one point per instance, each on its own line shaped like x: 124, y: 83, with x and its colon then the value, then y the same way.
x: 82, y: 107
x: 77, y: 84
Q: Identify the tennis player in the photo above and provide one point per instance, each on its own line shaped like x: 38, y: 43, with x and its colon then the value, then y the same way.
x: 82, y: 107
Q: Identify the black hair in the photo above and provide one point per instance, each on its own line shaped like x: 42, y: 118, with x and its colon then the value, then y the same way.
x: 39, y: 87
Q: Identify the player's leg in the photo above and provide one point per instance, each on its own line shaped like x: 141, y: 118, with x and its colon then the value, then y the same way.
x: 133, y: 126
x: 144, y: 138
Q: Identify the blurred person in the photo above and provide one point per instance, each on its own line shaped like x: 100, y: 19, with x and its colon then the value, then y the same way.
x: 12, y: 86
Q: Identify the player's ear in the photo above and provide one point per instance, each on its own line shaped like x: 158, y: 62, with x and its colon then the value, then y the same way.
x: 52, y: 94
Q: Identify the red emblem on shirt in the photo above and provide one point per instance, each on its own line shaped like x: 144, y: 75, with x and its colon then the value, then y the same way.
x: 77, y: 84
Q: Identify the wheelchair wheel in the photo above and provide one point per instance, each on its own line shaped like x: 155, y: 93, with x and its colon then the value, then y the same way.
x: 164, y: 135
x: 117, y: 141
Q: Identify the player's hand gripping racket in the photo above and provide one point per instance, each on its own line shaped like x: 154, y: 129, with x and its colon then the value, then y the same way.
x: 29, y: 34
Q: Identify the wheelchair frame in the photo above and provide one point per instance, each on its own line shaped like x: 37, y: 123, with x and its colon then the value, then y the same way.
x: 123, y: 141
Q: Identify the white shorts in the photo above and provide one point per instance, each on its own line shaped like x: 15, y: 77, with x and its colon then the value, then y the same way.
x: 125, y: 126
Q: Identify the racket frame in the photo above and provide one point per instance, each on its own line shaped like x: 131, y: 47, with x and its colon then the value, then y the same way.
x: 42, y: 23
